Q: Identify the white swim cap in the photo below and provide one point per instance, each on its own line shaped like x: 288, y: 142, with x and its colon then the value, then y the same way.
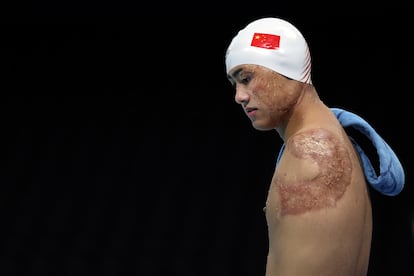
x: 273, y: 43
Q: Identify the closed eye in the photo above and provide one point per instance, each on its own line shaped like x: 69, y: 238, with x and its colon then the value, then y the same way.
x: 240, y: 76
x: 244, y: 77
x: 245, y: 80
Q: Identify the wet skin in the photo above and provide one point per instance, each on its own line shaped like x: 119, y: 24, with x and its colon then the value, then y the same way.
x: 318, y: 209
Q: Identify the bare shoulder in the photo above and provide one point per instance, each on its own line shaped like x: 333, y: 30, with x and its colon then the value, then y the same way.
x: 316, y: 204
x: 314, y: 172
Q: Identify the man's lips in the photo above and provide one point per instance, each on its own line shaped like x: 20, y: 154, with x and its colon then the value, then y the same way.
x: 250, y: 111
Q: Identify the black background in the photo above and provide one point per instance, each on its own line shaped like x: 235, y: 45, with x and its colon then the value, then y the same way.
x: 123, y: 152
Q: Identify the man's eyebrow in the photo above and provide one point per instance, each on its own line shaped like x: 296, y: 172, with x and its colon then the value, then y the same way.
x: 234, y: 74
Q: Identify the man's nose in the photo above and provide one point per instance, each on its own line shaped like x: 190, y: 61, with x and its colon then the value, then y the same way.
x: 241, y: 95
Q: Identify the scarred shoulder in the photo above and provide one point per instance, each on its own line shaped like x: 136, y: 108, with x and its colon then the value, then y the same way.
x: 313, y: 173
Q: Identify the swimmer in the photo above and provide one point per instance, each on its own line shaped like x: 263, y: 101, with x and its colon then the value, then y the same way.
x: 318, y: 209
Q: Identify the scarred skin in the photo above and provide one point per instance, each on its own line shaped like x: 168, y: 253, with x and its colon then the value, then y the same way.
x: 318, y: 208
x: 326, y: 173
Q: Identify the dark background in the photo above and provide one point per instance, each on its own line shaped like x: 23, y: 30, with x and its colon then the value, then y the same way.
x: 123, y: 152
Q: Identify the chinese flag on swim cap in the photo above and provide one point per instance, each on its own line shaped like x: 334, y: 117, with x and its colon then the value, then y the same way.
x: 267, y: 41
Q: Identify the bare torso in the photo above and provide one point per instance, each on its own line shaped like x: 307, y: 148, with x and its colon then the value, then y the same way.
x: 318, y: 208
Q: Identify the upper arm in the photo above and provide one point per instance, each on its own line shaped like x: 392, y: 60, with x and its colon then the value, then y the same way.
x: 314, y: 172
x: 307, y: 219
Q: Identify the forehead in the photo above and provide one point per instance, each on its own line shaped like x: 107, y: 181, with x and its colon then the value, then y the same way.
x: 248, y: 68
x: 244, y: 68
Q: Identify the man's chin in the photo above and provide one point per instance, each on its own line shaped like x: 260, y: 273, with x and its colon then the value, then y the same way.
x: 261, y: 127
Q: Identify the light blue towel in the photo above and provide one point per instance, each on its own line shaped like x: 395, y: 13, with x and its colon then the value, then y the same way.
x: 391, y: 177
